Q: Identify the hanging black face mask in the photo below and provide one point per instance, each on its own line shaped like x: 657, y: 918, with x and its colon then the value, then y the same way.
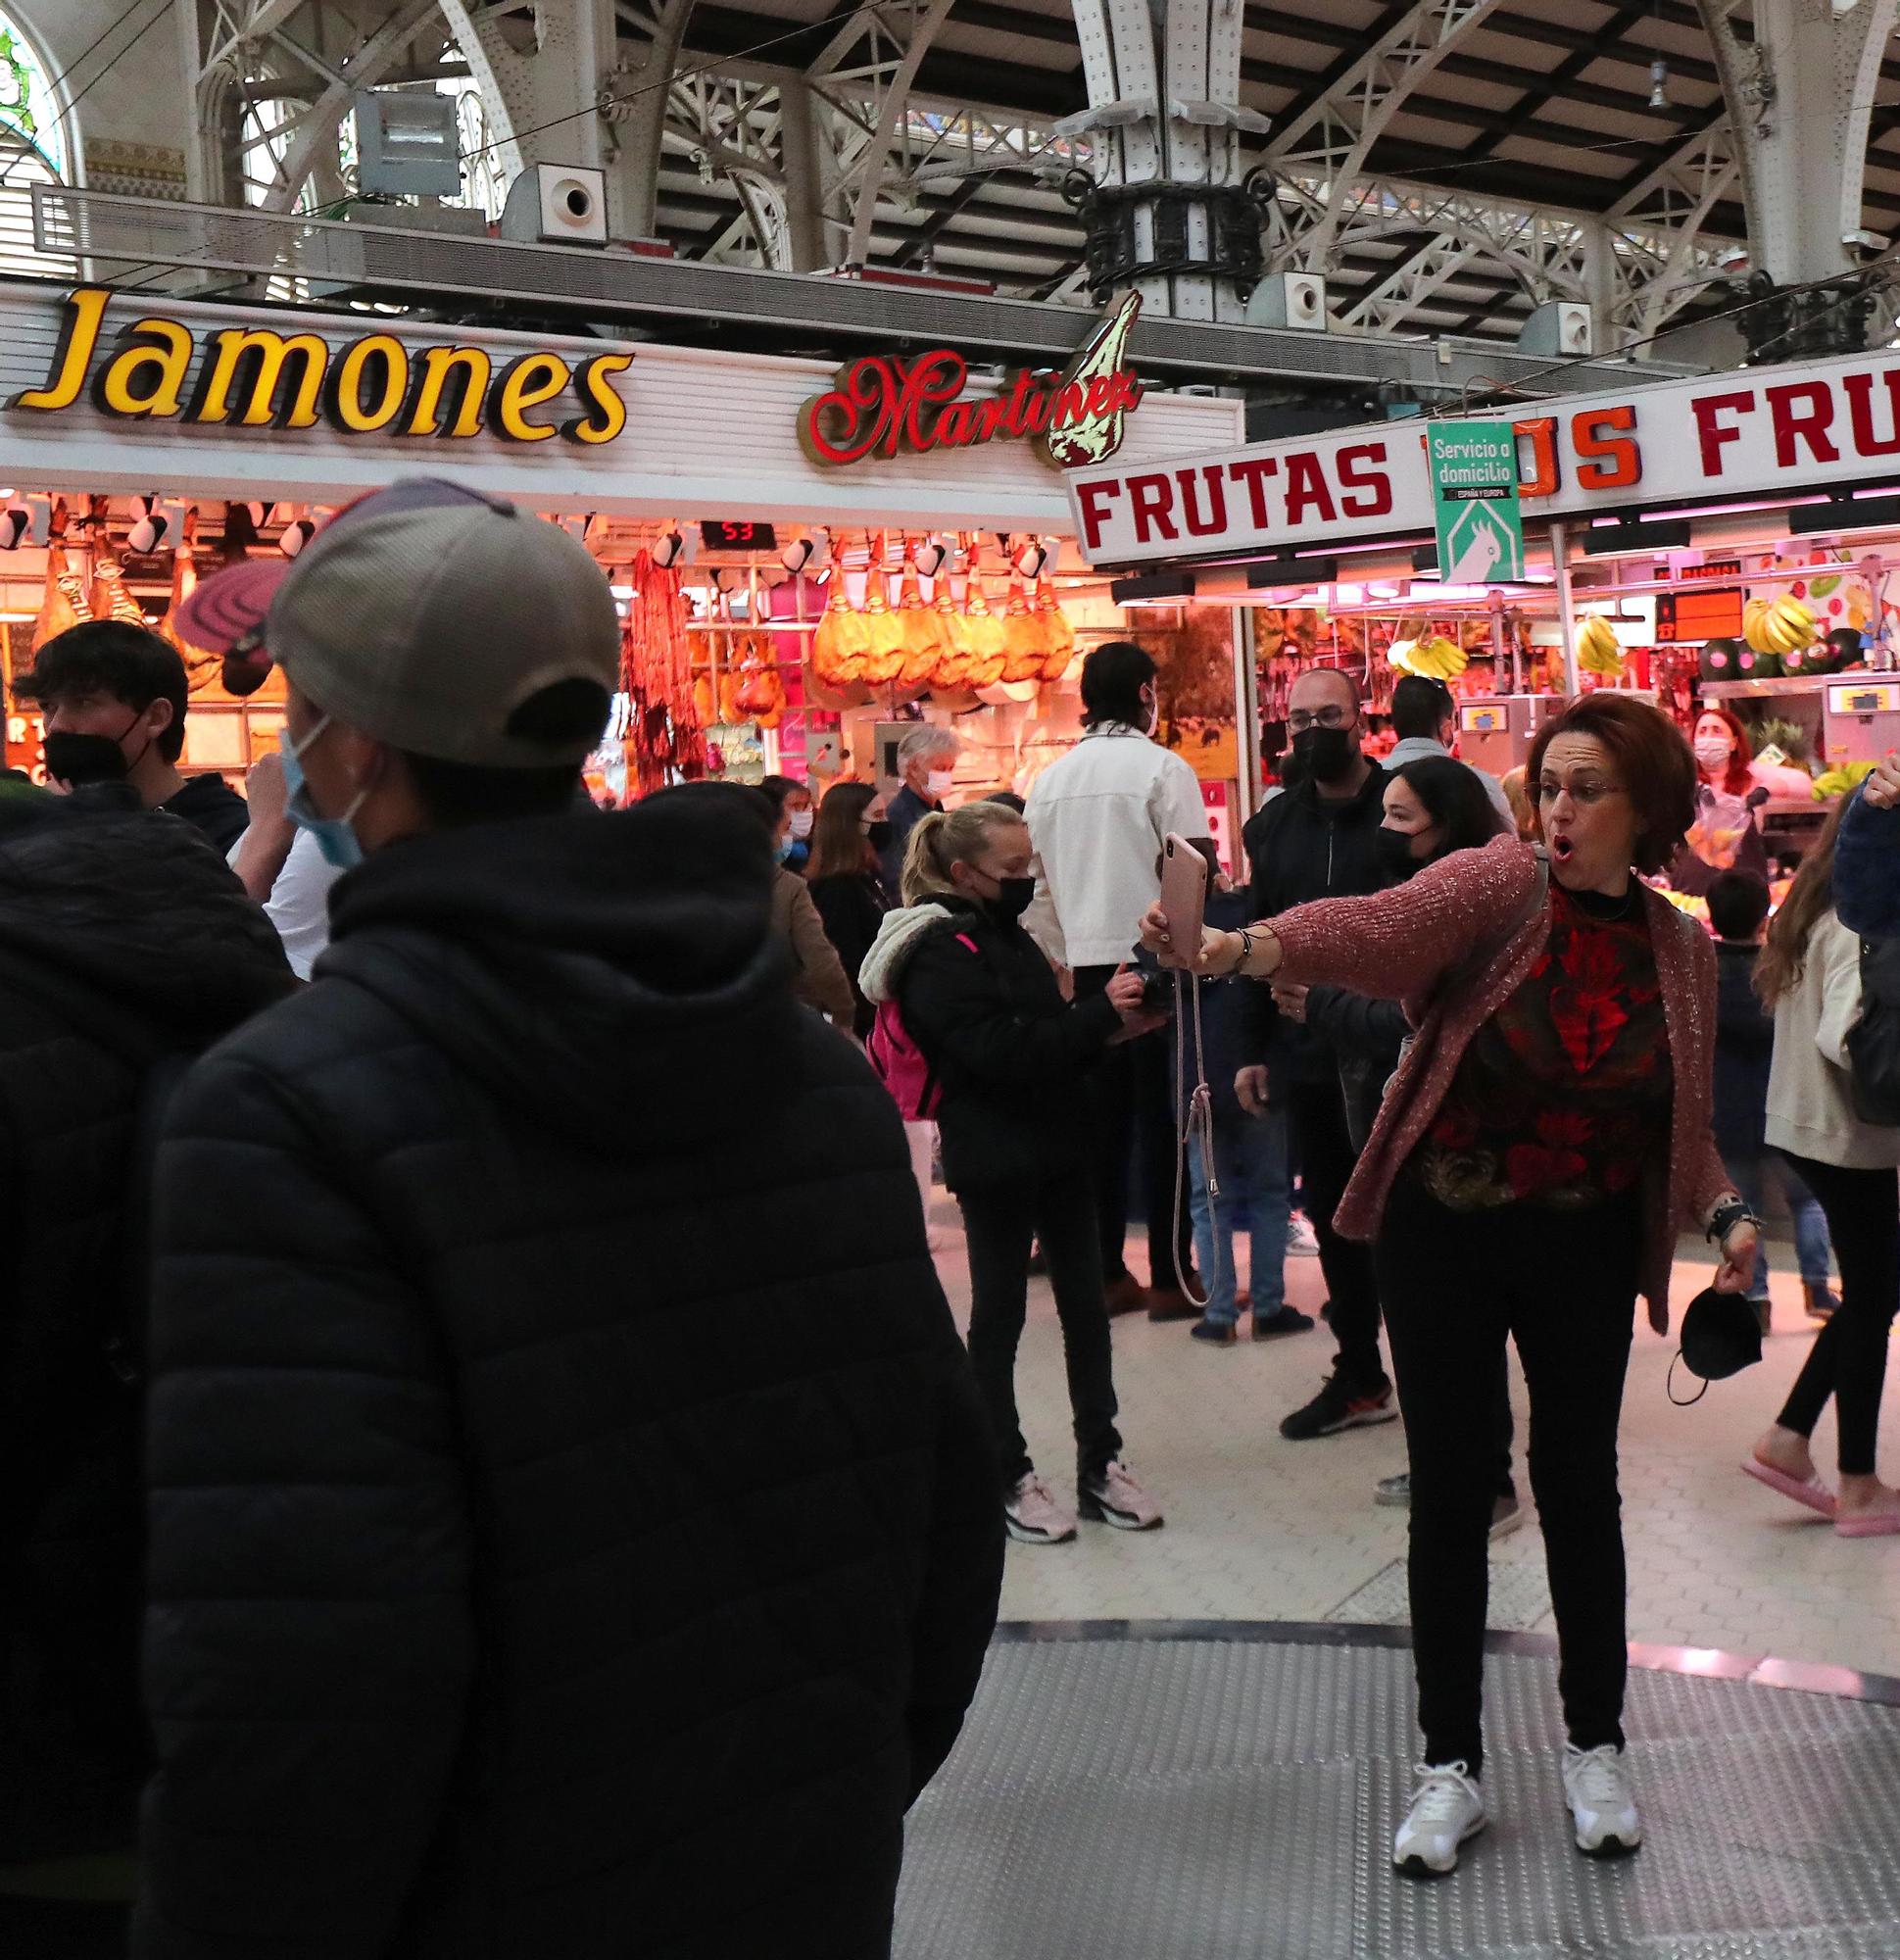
x: 1721, y: 1337
x: 74, y: 759
x: 1325, y: 754
x: 1013, y: 895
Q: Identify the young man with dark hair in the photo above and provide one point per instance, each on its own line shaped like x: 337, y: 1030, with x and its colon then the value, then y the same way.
x: 1098, y: 817
x: 115, y: 697
x: 532, y: 1571
x: 1425, y: 718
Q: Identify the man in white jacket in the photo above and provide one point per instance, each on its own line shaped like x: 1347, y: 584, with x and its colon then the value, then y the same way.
x: 1098, y: 817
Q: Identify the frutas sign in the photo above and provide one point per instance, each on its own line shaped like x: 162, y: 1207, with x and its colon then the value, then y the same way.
x: 882, y: 405
x: 1755, y: 432
x: 257, y: 377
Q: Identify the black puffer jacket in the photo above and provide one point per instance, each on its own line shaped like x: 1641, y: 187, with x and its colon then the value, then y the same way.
x: 1013, y: 1057
x: 542, y: 1567
x: 122, y: 936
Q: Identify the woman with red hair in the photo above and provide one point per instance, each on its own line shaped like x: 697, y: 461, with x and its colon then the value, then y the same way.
x: 1731, y: 786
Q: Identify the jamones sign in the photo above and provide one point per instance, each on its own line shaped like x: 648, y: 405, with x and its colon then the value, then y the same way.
x: 258, y: 377
x: 1756, y: 432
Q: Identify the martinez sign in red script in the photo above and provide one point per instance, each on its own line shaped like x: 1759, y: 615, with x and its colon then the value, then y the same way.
x: 882, y: 405
x: 1756, y: 432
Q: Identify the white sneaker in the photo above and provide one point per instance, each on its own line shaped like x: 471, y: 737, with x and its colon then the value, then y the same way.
x: 1602, y: 1805
x: 1115, y: 1499
x: 1302, y: 1243
x: 1032, y: 1515
x: 1447, y: 1809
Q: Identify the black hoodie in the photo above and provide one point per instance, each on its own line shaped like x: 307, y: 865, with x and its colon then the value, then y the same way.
x: 122, y: 936
x: 573, y: 1524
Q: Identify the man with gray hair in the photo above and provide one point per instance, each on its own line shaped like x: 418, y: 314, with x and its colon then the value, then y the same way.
x: 927, y: 762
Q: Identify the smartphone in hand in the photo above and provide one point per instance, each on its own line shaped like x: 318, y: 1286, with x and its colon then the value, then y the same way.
x: 1183, y: 898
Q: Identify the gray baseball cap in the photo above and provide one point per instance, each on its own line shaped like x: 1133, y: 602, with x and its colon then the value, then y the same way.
x: 426, y: 614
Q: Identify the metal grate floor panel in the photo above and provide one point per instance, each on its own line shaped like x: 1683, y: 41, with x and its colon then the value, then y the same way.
x: 1232, y: 1799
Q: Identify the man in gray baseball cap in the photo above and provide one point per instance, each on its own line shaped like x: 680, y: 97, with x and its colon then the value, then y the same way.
x: 533, y: 1570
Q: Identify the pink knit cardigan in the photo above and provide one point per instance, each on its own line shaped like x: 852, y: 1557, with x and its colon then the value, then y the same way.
x: 1401, y: 945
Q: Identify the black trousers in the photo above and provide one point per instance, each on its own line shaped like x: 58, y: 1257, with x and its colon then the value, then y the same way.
x: 1316, y: 1111
x: 1563, y: 1285
x: 1849, y: 1357
x: 1135, y: 1113
x: 1000, y: 1223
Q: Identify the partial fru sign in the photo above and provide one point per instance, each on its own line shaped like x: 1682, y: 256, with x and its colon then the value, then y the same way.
x: 258, y: 377
x: 884, y: 405
x: 1756, y: 432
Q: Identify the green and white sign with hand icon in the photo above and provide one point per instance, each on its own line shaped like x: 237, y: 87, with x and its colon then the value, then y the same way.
x: 1475, y: 498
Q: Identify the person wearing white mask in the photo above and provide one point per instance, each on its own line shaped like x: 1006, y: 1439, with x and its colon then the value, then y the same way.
x: 927, y: 762
x: 795, y: 816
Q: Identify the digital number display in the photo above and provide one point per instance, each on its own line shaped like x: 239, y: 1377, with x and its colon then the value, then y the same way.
x: 1698, y: 615
x: 719, y: 534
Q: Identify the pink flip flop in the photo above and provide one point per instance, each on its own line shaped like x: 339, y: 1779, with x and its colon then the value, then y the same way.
x: 1869, y: 1524
x: 1814, y: 1493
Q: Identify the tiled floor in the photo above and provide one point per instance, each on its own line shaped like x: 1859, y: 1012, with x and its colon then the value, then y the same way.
x: 1259, y: 1528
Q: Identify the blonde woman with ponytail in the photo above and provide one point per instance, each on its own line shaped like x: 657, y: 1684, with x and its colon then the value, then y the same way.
x: 1010, y: 1058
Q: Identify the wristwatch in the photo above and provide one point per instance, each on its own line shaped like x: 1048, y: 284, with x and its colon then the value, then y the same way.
x: 1730, y: 1213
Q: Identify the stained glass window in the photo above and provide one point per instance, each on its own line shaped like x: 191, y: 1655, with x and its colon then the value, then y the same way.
x: 28, y: 115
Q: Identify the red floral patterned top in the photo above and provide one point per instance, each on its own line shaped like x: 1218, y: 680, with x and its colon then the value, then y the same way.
x: 1563, y: 1096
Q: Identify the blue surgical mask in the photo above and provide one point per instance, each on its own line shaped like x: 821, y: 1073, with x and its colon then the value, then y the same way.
x: 335, y: 838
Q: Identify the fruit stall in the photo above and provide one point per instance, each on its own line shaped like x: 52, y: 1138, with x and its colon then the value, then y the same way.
x: 1721, y: 543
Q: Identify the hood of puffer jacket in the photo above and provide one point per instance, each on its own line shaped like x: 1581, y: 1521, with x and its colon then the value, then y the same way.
x: 610, y: 973
x: 897, y: 940
x: 134, y: 905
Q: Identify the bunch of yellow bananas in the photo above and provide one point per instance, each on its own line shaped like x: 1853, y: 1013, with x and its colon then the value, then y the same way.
x: 1841, y: 779
x: 1597, y: 651
x: 1437, y: 659
x: 1779, y: 627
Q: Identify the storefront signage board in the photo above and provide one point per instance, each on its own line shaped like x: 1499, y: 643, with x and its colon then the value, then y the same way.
x: 1753, y: 433
x: 884, y: 404
x: 707, y: 432
x: 1475, y: 502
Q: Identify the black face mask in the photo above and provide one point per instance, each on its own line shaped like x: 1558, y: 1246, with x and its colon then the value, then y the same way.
x: 1325, y: 754
x: 1721, y: 1337
x: 74, y: 759
x: 1012, y: 899
x: 878, y: 835
x: 1394, y: 847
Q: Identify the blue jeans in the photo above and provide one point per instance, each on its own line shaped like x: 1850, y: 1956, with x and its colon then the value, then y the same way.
x: 1814, y: 1253
x: 1250, y: 1167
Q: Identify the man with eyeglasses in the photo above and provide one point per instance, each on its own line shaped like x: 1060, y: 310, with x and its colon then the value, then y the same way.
x: 1320, y: 841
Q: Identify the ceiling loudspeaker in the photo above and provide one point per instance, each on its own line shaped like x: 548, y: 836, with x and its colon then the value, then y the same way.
x: 1559, y: 328
x: 556, y: 204
x: 1295, y: 300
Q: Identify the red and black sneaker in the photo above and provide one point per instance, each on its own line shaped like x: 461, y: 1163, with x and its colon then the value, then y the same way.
x: 1341, y: 1404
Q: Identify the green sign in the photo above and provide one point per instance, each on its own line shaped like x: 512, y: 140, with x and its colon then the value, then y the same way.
x: 1475, y: 499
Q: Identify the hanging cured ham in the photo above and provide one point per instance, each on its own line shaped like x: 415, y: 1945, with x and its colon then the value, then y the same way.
x: 666, y: 742
x: 923, y: 633
x: 65, y: 602
x: 1058, y: 635
x: 1025, y: 644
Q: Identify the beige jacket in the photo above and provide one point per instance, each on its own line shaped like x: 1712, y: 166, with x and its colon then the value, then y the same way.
x: 818, y: 976
x: 1810, y: 1094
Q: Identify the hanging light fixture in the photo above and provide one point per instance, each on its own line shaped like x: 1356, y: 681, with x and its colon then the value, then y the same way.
x: 1659, y: 82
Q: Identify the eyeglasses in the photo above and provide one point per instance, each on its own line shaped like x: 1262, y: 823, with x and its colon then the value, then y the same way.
x: 1335, y: 716
x: 1586, y: 794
